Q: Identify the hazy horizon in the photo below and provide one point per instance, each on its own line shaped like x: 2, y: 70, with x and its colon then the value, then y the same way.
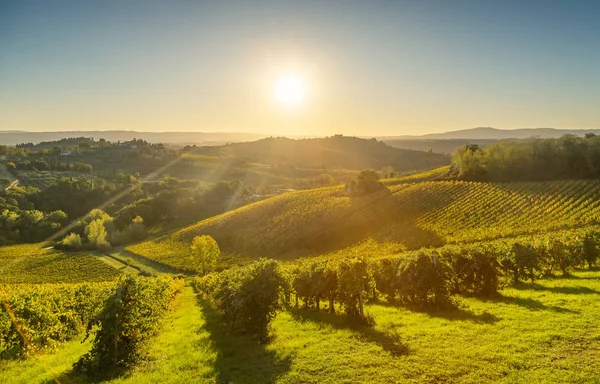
x: 364, y: 69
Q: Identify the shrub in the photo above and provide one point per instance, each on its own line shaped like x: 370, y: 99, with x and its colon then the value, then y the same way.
x: 472, y: 270
x: 248, y: 297
x: 423, y: 279
x: 352, y: 280
x: 72, y: 241
x: 589, y: 248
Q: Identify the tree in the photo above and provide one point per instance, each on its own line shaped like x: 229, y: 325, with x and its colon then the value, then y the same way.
x: 72, y: 241
x: 205, y: 252
x: 387, y: 172
x: 589, y: 249
x: 96, y: 234
x: 367, y: 181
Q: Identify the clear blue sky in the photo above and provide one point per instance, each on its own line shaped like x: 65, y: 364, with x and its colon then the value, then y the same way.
x: 368, y: 67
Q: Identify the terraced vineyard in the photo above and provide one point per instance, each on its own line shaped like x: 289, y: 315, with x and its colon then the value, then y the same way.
x: 30, y: 263
x: 410, y: 215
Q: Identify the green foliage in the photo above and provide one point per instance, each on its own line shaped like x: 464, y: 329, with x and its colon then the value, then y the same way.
x: 590, y: 248
x: 366, y: 182
x: 472, y: 269
x: 568, y: 157
x: 129, y: 317
x: 96, y: 234
x: 135, y: 231
x: 248, y: 297
x: 72, y: 241
x: 205, y: 252
x: 422, y: 280
x: 520, y: 261
x: 46, y: 315
x: 352, y: 277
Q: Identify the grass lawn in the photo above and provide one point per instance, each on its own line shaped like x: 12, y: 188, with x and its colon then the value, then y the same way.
x: 545, y: 333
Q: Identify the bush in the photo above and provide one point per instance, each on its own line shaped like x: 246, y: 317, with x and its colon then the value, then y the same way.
x: 423, y: 280
x: 352, y: 280
x: 248, y: 297
x: 472, y: 270
x: 72, y: 242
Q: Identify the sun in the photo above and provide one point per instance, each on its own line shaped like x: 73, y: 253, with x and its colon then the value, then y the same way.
x: 290, y: 90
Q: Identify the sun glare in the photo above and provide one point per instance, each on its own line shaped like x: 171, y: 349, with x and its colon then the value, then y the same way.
x: 290, y: 90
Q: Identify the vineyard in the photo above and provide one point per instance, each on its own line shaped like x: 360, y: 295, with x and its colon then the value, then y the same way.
x: 407, y: 215
x: 396, y: 283
x: 43, y: 179
x: 30, y: 263
x: 42, y: 316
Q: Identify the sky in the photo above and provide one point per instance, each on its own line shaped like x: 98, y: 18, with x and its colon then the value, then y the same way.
x: 403, y: 67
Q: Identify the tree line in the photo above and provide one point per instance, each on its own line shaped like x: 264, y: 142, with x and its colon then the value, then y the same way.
x: 568, y: 157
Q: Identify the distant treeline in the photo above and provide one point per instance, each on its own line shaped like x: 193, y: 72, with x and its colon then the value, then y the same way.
x: 568, y: 157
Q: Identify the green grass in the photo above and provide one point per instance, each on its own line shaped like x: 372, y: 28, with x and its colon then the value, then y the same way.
x: 410, y: 215
x: 543, y: 333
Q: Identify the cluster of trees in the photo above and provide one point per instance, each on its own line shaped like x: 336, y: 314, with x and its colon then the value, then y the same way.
x: 568, y: 157
x: 29, y: 214
x: 20, y: 221
x: 127, y: 320
x: 366, y: 182
x: 97, y: 230
x: 175, y: 199
x: 43, y: 165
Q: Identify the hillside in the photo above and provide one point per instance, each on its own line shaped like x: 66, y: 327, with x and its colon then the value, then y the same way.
x: 410, y: 215
x: 444, y: 146
x: 30, y: 263
x: 336, y: 152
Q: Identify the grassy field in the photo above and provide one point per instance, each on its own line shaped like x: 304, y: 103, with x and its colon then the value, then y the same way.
x: 411, y: 215
x: 32, y: 263
x: 547, y: 332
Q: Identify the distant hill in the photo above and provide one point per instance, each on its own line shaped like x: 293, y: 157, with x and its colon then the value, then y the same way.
x: 444, y: 146
x: 199, y: 138
x: 410, y: 215
x: 337, y: 152
x: 483, y: 133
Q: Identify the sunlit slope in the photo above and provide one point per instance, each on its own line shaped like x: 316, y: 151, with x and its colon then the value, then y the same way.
x: 30, y: 263
x: 429, y: 175
x: 411, y: 214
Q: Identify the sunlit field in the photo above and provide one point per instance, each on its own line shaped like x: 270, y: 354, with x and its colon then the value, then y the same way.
x: 546, y: 332
x: 411, y: 215
x: 299, y: 192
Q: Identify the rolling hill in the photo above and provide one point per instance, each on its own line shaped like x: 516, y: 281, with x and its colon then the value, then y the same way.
x: 409, y: 215
x: 337, y: 152
x: 444, y: 146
